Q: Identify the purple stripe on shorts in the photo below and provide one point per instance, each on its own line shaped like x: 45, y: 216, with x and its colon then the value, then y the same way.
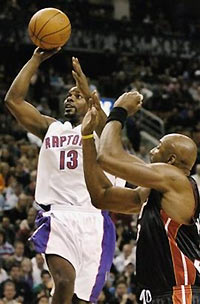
x: 41, y: 236
x: 107, y: 255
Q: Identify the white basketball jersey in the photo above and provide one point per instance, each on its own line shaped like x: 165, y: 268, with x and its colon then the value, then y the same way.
x: 60, y: 177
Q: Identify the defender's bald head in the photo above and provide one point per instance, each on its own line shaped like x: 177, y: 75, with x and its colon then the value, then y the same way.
x: 183, y: 147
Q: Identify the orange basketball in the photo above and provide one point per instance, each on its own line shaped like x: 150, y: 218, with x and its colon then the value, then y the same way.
x: 49, y: 28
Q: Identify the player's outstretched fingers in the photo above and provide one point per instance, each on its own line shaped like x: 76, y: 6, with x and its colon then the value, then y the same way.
x: 76, y: 66
x: 75, y: 76
x: 96, y: 101
x: 90, y: 102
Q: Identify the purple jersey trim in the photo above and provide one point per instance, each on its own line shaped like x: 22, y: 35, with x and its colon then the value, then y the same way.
x: 107, y: 255
x: 41, y: 236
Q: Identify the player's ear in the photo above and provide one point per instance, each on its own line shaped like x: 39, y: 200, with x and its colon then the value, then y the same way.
x: 171, y: 159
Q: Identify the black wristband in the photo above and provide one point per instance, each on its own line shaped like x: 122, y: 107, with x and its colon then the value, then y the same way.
x: 119, y: 114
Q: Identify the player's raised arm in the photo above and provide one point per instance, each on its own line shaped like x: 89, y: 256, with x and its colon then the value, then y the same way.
x: 114, y: 159
x: 103, y: 194
x: 173, y: 153
x: 26, y: 114
x: 82, y: 84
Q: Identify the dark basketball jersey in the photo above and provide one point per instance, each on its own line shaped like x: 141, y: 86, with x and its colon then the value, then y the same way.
x: 168, y: 253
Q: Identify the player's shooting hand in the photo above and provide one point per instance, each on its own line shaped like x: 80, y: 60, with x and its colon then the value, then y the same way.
x: 42, y: 55
x: 80, y: 78
x: 90, y: 121
x: 131, y: 101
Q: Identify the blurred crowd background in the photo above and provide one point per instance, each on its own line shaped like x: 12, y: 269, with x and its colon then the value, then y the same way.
x: 146, y: 45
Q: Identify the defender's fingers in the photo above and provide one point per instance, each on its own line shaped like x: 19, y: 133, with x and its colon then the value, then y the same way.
x: 95, y: 99
x: 94, y: 111
x: 90, y: 102
x: 77, y: 66
x: 74, y: 74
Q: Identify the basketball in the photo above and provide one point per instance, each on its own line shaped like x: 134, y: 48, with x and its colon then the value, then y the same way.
x: 49, y: 28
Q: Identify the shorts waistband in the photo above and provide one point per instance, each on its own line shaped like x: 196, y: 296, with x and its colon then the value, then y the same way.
x: 67, y: 208
x: 74, y: 209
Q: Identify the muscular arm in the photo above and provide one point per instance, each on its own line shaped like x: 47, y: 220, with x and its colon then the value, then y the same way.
x: 103, y: 194
x: 26, y: 114
x: 115, y: 160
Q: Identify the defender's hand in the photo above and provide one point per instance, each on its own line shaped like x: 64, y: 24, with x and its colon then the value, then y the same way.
x: 90, y: 121
x: 131, y: 101
x: 80, y: 78
x: 95, y: 101
x: 41, y: 55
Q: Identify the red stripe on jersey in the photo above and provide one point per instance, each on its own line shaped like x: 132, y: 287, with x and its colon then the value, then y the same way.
x: 191, y: 271
x: 172, y: 227
x: 171, y: 230
x: 184, y: 270
x: 177, y: 263
x: 188, y: 295
x: 177, y: 297
x: 164, y: 216
x: 182, y: 295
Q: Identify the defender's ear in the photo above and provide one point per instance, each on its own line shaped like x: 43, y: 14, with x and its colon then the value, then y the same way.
x: 171, y: 159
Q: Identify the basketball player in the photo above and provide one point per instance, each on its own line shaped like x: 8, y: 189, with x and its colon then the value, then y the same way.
x: 168, y: 240
x: 72, y: 233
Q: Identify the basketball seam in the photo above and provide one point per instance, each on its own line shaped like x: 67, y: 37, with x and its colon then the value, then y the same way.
x: 46, y: 24
x: 41, y: 41
x: 55, y: 31
x: 34, y: 37
x: 41, y: 44
x: 34, y: 28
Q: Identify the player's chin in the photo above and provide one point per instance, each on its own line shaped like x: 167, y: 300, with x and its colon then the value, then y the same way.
x: 70, y: 113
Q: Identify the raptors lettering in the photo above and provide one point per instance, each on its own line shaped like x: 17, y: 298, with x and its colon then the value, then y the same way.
x: 62, y: 141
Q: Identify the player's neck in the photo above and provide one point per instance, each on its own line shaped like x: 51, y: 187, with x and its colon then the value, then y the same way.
x: 75, y: 121
x: 75, y: 124
x: 186, y: 171
x: 183, y: 167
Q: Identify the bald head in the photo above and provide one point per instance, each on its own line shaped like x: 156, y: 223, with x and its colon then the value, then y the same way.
x: 183, y: 148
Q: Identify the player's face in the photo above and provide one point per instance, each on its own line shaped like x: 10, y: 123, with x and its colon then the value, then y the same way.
x: 157, y: 154
x: 163, y: 151
x: 75, y: 104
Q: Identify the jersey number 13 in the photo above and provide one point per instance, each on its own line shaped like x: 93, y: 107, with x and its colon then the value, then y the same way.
x: 68, y: 159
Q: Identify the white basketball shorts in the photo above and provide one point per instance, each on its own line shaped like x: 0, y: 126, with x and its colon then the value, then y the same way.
x: 85, y: 238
